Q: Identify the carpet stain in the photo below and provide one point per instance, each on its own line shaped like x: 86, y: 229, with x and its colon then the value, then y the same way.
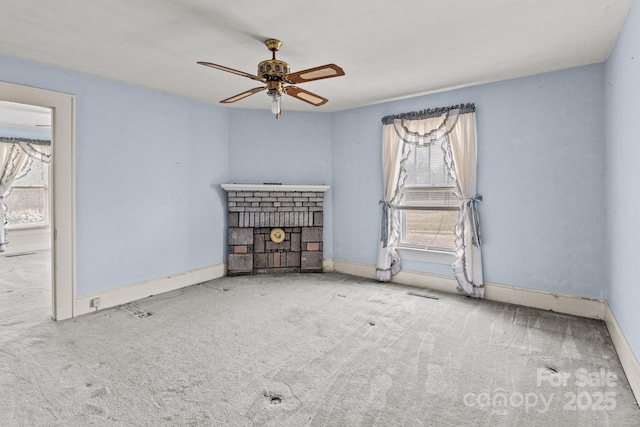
x: 274, y: 400
x: 12, y: 323
x: 135, y: 310
x: 422, y: 295
x: 379, y: 299
x: 102, y: 391
x: 94, y: 410
x: 273, y: 405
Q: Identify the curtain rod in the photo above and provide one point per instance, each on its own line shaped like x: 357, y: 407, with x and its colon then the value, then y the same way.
x: 428, y: 113
x: 12, y: 140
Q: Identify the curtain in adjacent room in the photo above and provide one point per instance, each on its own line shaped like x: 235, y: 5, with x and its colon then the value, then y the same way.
x: 15, y: 162
x: 455, y: 129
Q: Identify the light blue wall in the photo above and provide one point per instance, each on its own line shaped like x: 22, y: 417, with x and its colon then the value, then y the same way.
x: 294, y: 149
x: 357, y: 183
x: 540, y: 170
x: 623, y: 175
x: 149, y: 167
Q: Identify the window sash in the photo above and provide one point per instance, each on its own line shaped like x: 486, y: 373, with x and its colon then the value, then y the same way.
x: 429, y: 198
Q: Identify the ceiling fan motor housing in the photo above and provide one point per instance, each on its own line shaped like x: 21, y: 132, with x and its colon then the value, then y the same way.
x: 273, y: 70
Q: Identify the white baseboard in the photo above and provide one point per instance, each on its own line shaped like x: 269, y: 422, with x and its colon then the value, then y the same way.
x: 327, y: 265
x: 135, y: 291
x: 435, y: 282
x: 553, y: 301
x: 561, y: 303
x: 404, y: 277
x: 627, y: 357
x: 354, y: 268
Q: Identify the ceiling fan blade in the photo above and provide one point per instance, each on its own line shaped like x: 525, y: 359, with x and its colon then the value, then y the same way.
x: 243, y: 95
x: 316, y: 73
x: 231, y: 70
x: 305, y: 95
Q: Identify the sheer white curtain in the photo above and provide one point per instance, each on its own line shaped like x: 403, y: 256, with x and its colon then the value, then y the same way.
x: 468, y: 266
x: 455, y: 128
x: 12, y: 162
x: 392, y: 154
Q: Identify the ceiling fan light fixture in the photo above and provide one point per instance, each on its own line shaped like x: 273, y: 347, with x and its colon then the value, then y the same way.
x: 274, y: 90
x: 275, y: 104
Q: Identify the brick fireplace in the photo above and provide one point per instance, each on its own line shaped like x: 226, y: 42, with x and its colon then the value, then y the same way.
x: 275, y: 228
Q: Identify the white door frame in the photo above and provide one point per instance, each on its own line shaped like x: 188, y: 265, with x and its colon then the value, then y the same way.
x: 63, y: 209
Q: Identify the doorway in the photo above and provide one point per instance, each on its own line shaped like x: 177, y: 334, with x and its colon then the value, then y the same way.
x: 62, y: 188
x: 25, y: 219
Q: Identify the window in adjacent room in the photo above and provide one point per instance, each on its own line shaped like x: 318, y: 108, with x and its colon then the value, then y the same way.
x: 28, y: 202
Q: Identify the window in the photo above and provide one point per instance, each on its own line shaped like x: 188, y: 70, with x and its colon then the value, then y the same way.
x: 28, y: 202
x: 429, y: 205
x: 429, y: 165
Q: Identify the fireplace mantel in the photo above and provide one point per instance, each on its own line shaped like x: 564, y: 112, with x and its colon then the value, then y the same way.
x: 275, y: 187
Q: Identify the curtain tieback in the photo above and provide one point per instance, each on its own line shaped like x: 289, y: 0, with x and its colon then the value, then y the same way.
x: 384, y: 225
x: 474, y: 218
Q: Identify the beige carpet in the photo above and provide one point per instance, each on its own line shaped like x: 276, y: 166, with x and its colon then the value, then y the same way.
x: 310, y: 350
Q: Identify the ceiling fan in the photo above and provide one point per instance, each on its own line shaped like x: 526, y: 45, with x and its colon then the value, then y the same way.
x: 278, y: 77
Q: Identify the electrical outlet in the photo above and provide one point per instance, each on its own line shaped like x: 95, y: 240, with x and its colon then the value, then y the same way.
x: 94, y: 303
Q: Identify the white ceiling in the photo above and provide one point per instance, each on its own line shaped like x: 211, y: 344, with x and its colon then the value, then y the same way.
x: 388, y: 49
x: 22, y: 115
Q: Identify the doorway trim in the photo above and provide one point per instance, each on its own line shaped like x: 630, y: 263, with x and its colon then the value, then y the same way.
x: 63, y: 209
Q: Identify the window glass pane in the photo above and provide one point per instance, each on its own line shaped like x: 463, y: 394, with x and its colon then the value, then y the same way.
x: 26, y: 206
x: 426, y: 166
x: 429, y: 185
x: 429, y: 228
x: 27, y: 202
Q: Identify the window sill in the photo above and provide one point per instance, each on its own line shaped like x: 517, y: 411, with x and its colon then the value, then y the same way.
x: 23, y: 227
x: 438, y: 257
